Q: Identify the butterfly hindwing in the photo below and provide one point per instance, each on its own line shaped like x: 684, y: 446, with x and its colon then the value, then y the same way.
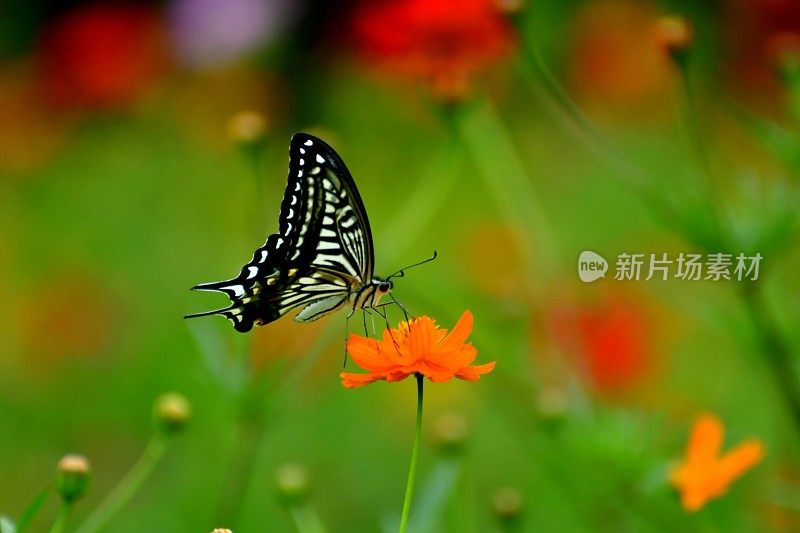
x: 322, y: 251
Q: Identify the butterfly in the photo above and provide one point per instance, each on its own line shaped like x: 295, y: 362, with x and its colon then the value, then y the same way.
x: 322, y: 257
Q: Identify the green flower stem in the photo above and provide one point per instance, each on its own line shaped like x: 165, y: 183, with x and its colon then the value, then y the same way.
x: 306, y: 519
x: 412, y: 469
x: 63, y: 517
x: 504, y: 175
x: 692, y: 117
x: 250, y: 433
x: 127, y: 487
x: 776, y: 351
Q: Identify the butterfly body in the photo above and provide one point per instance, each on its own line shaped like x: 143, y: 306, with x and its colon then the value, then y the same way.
x: 322, y: 257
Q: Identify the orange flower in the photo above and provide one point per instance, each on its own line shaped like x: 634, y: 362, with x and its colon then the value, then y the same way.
x: 415, y: 347
x: 704, y: 475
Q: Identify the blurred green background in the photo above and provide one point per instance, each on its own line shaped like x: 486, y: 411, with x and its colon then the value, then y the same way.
x: 509, y: 137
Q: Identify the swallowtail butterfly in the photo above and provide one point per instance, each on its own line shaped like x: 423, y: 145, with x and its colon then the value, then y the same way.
x: 321, y: 259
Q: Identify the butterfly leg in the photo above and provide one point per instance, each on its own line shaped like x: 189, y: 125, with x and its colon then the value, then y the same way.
x: 406, y: 314
x: 385, y: 316
x: 346, y: 331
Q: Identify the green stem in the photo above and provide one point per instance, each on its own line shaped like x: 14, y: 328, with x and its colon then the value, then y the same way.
x: 544, y: 85
x: 127, y: 487
x: 506, y: 179
x: 63, y: 517
x: 776, y: 351
x: 306, y: 519
x: 714, y: 198
x: 250, y: 434
x: 412, y: 469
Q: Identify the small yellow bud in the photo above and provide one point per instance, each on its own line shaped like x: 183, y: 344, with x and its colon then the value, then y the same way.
x: 171, y: 412
x: 292, y: 483
x: 675, y: 35
x: 507, y: 503
x: 247, y: 127
x: 450, y: 431
x: 72, y: 477
x: 222, y: 530
x: 510, y: 7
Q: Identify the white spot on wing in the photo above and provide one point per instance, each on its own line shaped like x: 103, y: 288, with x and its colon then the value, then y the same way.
x: 280, y: 242
x: 302, y: 161
x: 308, y: 142
x: 291, y: 213
x: 320, y: 159
x: 238, y: 290
x: 253, y: 272
x: 315, y: 170
x: 302, y: 150
x: 263, y: 256
x: 299, y: 173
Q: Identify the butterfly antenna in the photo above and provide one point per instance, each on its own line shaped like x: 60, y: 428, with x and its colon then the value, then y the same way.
x: 400, y: 273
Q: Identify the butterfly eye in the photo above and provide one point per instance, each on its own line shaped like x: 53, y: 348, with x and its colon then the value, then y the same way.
x: 384, y: 286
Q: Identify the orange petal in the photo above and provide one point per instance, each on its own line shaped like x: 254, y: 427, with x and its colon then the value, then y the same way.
x: 422, y: 336
x: 706, y: 440
x: 460, y: 332
x: 352, y: 381
x: 473, y: 373
x: 368, y: 353
x: 738, y: 461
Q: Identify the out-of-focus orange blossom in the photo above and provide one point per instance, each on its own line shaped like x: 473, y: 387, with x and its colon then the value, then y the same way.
x: 615, y: 61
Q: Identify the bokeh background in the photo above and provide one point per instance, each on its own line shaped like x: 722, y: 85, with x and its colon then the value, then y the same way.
x: 509, y: 136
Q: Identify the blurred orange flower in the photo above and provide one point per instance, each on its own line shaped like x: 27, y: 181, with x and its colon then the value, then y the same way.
x: 443, y: 42
x: 415, y: 347
x: 704, y: 474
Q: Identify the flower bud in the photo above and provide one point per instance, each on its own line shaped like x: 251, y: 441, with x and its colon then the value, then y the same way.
x: 222, y: 530
x: 72, y: 477
x: 507, y: 503
x: 450, y: 432
x: 171, y: 412
x: 291, y: 481
x: 247, y: 128
x: 552, y: 403
x: 675, y: 35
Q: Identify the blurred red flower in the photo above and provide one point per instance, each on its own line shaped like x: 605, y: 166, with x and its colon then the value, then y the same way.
x: 611, y: 340
x: 445, y: 43
x: 101, y: 55
x: 753, y: 37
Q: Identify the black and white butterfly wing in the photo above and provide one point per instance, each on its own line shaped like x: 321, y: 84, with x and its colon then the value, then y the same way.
x: 321, y: 253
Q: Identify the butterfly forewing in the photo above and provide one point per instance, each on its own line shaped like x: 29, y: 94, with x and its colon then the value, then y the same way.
x: 321, y: 253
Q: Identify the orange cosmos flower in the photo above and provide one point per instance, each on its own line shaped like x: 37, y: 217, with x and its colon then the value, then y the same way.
x: 704, y: 474
x: 415, y: 347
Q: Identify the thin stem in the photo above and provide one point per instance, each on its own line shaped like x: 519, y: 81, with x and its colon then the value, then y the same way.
x: 506, y: 179
x: 693, y: 123
x: 250, y: 434
x: 127, y: 487
x: 412, y: 469
x: 63, y: 517
x: 776, y: 351
x: 306, y: 519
